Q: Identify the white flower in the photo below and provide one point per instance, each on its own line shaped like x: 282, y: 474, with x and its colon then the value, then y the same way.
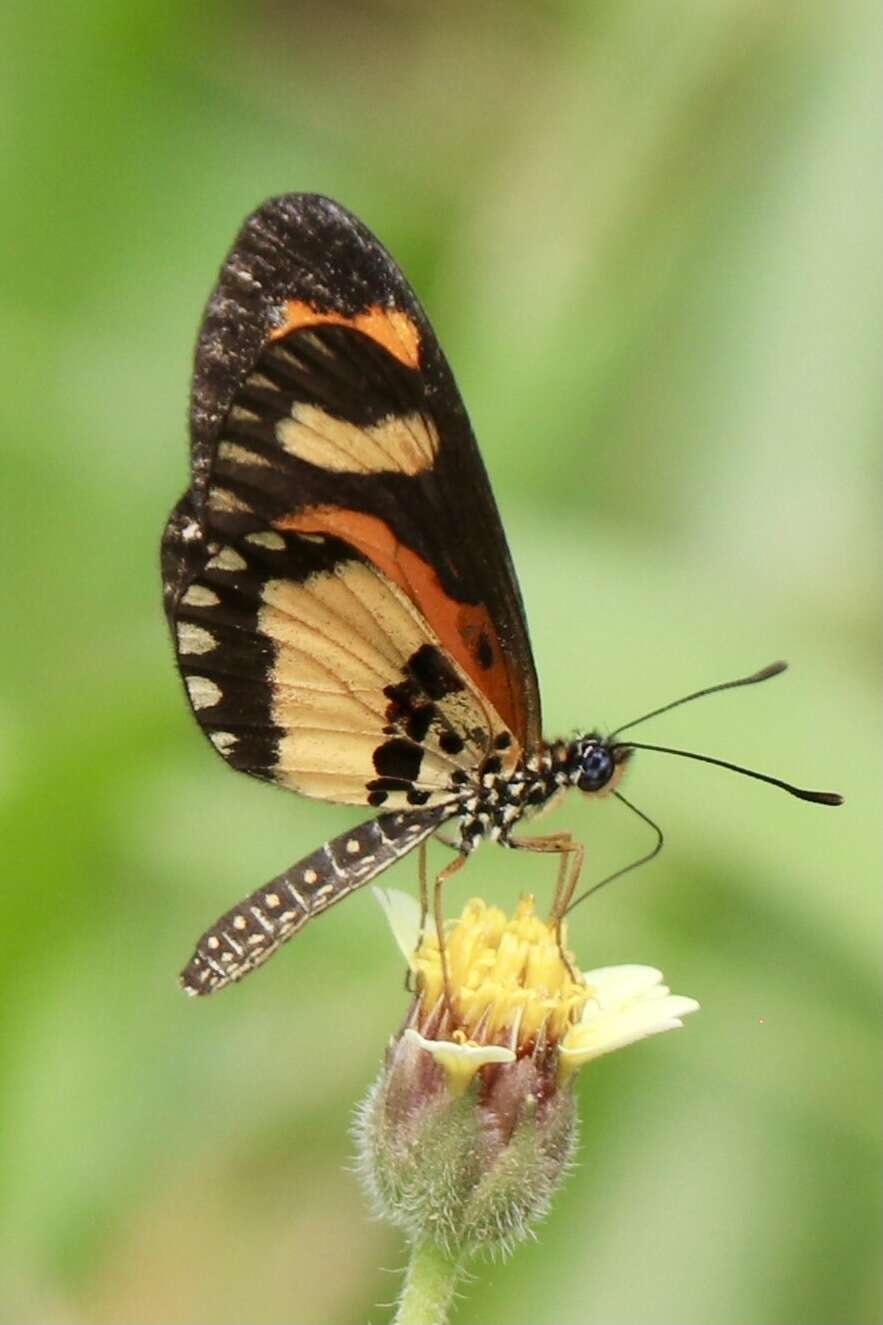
x: 627, y: 1003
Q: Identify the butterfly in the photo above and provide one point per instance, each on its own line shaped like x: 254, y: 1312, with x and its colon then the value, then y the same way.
x: 345, y: 614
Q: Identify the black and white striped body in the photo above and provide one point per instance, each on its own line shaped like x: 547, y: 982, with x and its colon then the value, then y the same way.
x: 492, y: 807
x: 249, y: 933
x: 488, y: 807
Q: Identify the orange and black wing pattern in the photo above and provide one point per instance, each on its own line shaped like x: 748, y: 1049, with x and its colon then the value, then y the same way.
x: 345, y: 613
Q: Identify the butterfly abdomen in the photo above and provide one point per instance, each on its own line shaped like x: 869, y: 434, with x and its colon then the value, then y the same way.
x: 251, y: 932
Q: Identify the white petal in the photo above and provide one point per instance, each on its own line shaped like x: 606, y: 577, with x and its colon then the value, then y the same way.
x: 460, y: 1061
x: 678, y: 1005
x: 628, y: 1003
x: 403, y: 913
x: 614, y: 984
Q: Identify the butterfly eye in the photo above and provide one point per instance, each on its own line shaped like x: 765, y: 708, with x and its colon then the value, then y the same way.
x: 596, y: 768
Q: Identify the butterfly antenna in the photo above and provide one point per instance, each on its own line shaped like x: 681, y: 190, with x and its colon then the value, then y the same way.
x: 817, y: 797
x: 626, y: 869
x: 774, y: 669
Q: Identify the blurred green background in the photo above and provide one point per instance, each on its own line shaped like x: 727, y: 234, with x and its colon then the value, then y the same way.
x: 646, y: 235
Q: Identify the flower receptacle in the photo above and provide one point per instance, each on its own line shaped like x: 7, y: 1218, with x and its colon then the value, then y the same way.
x: 470, y: 1168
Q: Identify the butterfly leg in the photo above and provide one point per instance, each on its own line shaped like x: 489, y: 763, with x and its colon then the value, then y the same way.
x: 423, y: 886
x: 571, y: 855
x: 451, y: 842
x: 437, y: 905
x: 423, y: 895
x: 558, y: 907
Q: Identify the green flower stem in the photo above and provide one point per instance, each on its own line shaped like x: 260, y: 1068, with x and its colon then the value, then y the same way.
x: 429, y: 1285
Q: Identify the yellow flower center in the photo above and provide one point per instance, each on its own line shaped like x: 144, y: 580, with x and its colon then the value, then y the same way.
x: 508, y: 980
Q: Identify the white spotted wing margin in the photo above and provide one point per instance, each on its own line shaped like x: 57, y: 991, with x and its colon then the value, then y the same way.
x: 247, y: 935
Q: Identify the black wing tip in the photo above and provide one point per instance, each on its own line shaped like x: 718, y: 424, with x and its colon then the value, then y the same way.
x: 302, y: 201
x: 312, y: 208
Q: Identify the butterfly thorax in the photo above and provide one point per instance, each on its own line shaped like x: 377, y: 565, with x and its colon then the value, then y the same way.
x: 493, y: 807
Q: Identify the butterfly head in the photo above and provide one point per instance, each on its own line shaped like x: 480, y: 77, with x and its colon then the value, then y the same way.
x: 597, y: 764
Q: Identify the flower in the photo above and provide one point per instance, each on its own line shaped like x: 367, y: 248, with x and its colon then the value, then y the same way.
x: 472, y: 1122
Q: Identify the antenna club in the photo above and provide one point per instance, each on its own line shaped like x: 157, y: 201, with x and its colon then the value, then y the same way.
x: 774, y: 669
x: 822, y: 797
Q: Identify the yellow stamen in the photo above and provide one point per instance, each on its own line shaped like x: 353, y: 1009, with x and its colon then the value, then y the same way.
x: 507, y: 977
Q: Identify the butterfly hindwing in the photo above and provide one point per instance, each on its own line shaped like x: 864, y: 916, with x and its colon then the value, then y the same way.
x: 306, y: 666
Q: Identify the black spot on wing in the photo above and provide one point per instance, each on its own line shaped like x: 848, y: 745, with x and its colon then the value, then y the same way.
x: 419, y: 722
x: 433, y: 672
x: 408, y: 710
x: 451, y: 743
x: 398, y: 758
x: 484, y: 651
x: 387, y: 784
x: 402, y: 699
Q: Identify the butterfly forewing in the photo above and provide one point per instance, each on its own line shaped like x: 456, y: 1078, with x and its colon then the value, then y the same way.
x: 323, y: 404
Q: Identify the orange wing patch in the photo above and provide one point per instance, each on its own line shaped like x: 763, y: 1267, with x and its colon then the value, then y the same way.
x: 389, y: 327
x: 465, y: 629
